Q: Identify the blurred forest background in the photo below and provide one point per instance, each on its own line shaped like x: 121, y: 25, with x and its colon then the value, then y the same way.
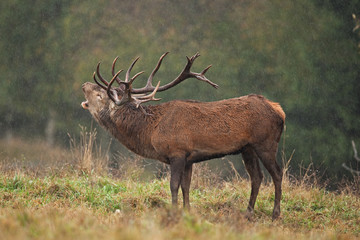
x: 303, y: 54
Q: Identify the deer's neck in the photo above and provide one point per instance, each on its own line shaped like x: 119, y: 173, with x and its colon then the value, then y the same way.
x: 131, y: 127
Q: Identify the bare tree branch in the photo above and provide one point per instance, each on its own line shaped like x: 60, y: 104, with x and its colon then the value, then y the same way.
x: 350, y: 169
x: 353, y: 171
x: 357, y: 22
x: 355, y: 151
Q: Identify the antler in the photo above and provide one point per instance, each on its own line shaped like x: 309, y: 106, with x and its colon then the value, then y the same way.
x: 185, y: 74
x: 128, y: 93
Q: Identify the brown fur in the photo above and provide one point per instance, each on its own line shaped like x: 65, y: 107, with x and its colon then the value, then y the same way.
x: 181, y: 133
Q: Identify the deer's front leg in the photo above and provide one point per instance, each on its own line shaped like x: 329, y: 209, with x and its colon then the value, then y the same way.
x: 185, y: 185
x: 177, y: 167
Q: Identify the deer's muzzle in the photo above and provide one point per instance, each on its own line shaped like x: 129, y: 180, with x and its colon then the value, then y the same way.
x: 85, y: 104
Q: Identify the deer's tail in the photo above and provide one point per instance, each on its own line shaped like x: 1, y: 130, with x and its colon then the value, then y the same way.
x: 278, y: 109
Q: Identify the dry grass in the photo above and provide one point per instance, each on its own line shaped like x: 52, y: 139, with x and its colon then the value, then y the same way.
x: 86, y: 208
x: 37, y: 158
x: 34, y: 157
x: 88, y: 156
x: 60, y: 194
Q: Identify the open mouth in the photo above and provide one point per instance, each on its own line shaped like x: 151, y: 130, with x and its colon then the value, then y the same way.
x: 85, y: 105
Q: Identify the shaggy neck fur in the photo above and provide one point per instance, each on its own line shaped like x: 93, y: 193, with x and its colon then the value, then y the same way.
x: 131, y: 126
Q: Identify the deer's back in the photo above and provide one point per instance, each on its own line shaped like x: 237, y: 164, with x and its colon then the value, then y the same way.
x: 204, y: 130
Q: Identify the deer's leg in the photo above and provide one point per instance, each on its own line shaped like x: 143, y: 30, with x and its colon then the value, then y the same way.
x: 252, y: 166
x: 185, y: 185
x: 177, y: 167
x: 268, y: 158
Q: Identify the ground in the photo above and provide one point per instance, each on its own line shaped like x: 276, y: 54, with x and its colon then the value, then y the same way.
x: 53, y: 198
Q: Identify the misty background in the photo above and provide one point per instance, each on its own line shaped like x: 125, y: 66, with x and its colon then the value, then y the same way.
x: 303, y: 54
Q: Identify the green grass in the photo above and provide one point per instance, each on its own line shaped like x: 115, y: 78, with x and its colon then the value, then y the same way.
x: 50, y: 201
x: 86, y: 207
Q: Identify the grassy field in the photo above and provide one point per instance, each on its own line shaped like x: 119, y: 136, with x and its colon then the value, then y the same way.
x: 59, y: 194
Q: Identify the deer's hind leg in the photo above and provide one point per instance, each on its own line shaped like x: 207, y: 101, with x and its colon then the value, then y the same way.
x: 252, y: 166
x: 268, y: 158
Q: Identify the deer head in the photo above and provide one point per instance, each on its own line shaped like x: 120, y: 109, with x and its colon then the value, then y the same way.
x: 98, y: 95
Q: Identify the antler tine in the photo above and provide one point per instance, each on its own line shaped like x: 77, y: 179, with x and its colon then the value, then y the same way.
x: 113, y: 70
x: 99, y: 75
x: 112, y: 93
x: 190, y: 61
x: 128, y: 85
x: 185, y: 74
x: 114, y: 78
x: 149, y: 81
x: 202, y: 77
x: 206, y: 69
x: 147, y: 98
x: 135, y: 76
x: 129, y: 70
x: 102, y: 86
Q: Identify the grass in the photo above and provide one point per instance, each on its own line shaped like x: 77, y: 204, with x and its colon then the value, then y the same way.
x: 82, y: 201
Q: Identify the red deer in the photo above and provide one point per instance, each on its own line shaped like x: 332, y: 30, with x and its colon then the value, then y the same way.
x: 181, y: 133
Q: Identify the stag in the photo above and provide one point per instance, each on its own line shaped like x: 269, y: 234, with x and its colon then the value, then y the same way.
x: 183, y: 132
